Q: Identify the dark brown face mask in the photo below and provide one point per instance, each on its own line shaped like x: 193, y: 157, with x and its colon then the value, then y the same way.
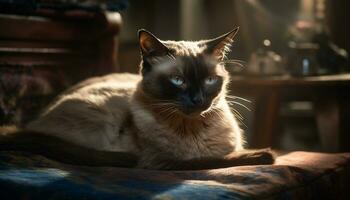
x: 189, y: 82
x: 172, y: 72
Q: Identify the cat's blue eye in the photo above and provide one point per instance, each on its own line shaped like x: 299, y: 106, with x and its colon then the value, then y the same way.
x: 211, y: 80
x: 177, y: 80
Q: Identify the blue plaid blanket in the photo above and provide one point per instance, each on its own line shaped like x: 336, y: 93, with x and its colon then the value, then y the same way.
x: 298, y: 175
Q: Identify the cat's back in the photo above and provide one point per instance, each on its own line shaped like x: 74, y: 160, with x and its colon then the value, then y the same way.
x: 115, y: 81
x: 102, y: 91
x: 102, y: 87
x: 91, y: 113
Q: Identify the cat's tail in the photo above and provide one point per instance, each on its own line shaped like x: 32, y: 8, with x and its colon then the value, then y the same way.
x: 15, y: 139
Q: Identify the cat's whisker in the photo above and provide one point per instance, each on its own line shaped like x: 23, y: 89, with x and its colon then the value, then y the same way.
x: 239, y: 115
x: 240, y: 104
x: 243, y: 123
x: 240, y: 63
x: 235, y: 64
x: 235, y: 60
x: 240, y: 119
x: 165, y: 110
x: 237, y: 97
x: 163, y: 105
x: 218, y: 111
x: 170, y: 115
x: 170, y: 103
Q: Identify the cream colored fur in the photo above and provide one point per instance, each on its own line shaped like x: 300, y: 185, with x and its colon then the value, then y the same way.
x: 107, y: 113
x: 92, y: 114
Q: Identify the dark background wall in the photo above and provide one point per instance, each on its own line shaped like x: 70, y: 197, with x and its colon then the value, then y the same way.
x: 202, y: 19
x: 338, y: 19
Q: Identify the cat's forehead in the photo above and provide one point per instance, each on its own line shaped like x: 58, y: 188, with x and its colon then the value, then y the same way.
x: 185, y: 48
x: 187, y: 65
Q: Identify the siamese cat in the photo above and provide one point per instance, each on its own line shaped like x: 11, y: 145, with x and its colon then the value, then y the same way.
x: 173, y: 116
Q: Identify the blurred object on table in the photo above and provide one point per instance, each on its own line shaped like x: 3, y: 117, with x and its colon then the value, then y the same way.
x: 332, y: 59
x: 264, y: 61
x: 312, y: 52
x: 302, y: 59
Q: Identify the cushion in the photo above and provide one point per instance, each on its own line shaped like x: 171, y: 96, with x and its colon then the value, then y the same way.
x: 297, y: 175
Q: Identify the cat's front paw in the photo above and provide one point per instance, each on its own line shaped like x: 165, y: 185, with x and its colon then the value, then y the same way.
x: 264, y: 156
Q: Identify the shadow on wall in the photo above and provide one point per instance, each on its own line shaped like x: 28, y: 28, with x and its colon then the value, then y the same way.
x: 204, y: 19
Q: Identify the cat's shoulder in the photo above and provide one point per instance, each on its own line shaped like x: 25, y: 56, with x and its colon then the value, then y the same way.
x: 114, y: 80
x: 109, y: 90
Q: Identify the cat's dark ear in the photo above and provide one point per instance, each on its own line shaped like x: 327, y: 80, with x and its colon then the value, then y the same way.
x: 150, y: 45
x: 221, y: 45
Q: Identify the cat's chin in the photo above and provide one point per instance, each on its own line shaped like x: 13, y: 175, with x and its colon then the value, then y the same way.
x: 193, y: 114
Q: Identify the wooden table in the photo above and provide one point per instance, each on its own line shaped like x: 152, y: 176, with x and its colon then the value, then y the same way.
x: 330, y: 95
